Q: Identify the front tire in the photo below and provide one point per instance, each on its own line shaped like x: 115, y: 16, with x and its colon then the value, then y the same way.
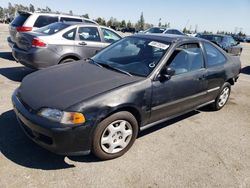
x: 115, y: 135
x: 222, y: 98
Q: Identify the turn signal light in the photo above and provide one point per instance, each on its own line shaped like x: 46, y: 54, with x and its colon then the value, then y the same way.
x: 78, y: 118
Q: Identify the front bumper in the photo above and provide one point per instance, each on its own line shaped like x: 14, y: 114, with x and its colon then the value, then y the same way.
x: 35, y: 58
x: 53, y: 136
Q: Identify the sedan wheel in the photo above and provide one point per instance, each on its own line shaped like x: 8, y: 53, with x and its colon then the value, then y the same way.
x: 114, y: 135
x: 222, y: 98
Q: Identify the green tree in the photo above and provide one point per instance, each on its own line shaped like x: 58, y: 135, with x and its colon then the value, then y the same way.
x: 101, y: 21
x: 1, y: 13
x: 31, y: 8
x: 129, y: 24
x: 86, y: 16
x: 141, y: 22
x: 159, y: 24
x: 123, y: 24
x: 48, y: 9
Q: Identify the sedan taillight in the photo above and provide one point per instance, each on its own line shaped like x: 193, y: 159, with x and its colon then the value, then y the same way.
x: 38, y: 43
x: 23, y: 29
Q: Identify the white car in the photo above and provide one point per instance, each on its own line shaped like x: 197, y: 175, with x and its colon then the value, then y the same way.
x: 28, y: 21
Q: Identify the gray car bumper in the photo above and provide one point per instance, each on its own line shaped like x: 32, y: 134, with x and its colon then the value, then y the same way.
x: 36, y: 58
x: 10, y: 42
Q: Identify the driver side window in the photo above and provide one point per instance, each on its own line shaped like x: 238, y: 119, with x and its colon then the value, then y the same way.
x: 186, y: 58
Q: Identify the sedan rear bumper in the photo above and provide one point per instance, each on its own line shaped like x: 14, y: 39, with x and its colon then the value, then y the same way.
x: 55, y: 138
x: 36, y: 58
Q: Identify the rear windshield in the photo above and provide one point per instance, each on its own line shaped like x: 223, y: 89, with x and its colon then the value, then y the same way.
x: 52, y: 28
x: 20, y: 19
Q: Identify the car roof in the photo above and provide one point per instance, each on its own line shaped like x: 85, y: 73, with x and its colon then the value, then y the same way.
x: 55, y: 14
x: 78, y: 23
x: 169, y: 38
x: 217, y: 35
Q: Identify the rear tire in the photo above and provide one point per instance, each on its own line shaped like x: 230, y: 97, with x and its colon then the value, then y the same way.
x: 222, y: 98
x: 115, y: 135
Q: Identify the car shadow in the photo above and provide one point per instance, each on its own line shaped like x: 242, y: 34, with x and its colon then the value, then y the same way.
x: 15, y: 146
x: 246, y: 70
x: 15, y: 73
x: 7, y: 56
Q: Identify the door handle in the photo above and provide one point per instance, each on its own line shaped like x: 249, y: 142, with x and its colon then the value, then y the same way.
x: 82, y: 43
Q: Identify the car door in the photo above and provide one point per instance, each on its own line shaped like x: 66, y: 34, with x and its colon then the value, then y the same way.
x: 215, y: 63
x: 186, y: 89
x: 88, y: 41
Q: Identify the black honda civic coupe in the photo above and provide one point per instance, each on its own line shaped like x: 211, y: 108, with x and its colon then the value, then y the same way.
x: 99, y: 105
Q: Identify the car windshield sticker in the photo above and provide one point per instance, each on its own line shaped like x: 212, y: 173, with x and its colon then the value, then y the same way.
x: 158, y: 45
x: 151, y: 65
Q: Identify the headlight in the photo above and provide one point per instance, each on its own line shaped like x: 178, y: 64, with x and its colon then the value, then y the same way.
x: 62, y: 117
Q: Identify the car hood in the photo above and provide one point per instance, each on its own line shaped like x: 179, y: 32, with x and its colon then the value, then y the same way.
x: 62, y: 86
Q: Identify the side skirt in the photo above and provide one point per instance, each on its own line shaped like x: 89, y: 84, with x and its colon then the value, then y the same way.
x: 174, y: 116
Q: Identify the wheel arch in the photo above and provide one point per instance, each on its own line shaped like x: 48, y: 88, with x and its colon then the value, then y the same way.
x: 69, y: 56
x: 128, y: 108
x: 230, y: 81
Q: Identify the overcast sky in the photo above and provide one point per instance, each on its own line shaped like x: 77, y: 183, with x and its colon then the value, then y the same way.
x: 211, y: 15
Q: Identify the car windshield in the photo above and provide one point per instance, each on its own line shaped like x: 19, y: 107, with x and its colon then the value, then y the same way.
x: 136, y: 56
x: 52, y: 28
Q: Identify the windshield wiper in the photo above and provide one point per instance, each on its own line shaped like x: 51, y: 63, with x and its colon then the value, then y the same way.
x: 94, y: 62
x: 114, y: 68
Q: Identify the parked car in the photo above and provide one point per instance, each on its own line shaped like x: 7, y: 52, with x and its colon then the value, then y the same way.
x: 163, y: 30
x: 239, y: 38
x: 28, y: 21
x: 61, y: 43
x: 128, y: 29
x: 101, y: 104
x: 247, y: 39
x: 226, y: 42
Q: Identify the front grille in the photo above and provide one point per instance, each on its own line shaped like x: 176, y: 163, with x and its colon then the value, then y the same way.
x: 36, y: 135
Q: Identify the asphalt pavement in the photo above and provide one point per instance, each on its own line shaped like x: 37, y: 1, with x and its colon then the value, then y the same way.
x: 200, y: 149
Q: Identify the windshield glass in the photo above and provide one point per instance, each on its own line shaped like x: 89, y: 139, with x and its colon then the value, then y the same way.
x: 52, y: 28
x: 136, y: 56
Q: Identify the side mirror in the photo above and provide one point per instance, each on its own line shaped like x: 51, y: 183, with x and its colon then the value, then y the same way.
x: 166, y: 73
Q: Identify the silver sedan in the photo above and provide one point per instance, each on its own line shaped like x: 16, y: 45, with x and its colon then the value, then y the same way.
x: 61, y: 42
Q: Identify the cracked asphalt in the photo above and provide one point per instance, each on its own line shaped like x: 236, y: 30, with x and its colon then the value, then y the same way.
x: 200, y: 149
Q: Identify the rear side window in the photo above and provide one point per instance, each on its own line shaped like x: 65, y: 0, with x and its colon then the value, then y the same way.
x: 45, y: 20
x: 20, y: 19
x: 170, y: 31
x: 70, y: 35
x: 214, y: 56
x: 186, y: 58
x: 67, y: 19
x: 89, y: 34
